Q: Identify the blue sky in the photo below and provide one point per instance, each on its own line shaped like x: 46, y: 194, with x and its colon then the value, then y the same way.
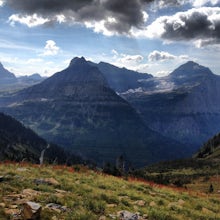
x: 152, y: 36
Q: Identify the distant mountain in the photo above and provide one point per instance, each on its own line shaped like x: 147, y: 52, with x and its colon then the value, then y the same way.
x: 10, y: 83
x: 18, y: 143
x: 6, y: 77
x: 189, y: 70
x: 76, y: 109
x: 121, y: 79
x: 184, y: 105
x: 32, y: 79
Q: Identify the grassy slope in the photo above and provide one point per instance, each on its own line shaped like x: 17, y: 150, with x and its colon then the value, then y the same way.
x: 89, y: 195
x: 194, y: 174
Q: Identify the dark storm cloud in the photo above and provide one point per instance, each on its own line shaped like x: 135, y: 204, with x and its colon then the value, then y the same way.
x: 201, y: 24
x: 197, y: 25
x: 126, y: 13
x: 47, y: 6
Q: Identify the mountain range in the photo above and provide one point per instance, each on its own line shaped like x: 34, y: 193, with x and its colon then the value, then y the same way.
x: 183, y: 105
x: 102, y: 112
x: 9, y: 82
x: 77, y: 109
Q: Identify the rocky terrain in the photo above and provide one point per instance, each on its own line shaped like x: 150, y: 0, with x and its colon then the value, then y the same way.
x: 59, y: 193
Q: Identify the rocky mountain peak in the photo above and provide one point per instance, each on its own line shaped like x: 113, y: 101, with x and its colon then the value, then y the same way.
x: 77, y: 61
x: 80, y: 72
x: 79, y: 79
x: 191, y: 69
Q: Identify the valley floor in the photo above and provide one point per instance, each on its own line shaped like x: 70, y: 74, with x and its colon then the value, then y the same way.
x: 79, y: 193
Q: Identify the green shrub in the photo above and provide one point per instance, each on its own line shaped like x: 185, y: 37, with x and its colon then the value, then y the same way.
x: 97, y: 207
x: 125, y: 202
x: 109, y: 199
x: 159, y: 215
x: 161, y: 202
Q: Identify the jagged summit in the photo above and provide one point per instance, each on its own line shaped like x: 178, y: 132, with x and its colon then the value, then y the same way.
x: 78, y: 80
x: 191, y: 69
x: 77, y: 61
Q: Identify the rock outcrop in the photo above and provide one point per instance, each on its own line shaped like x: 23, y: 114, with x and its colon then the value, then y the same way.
x: 31, y: 211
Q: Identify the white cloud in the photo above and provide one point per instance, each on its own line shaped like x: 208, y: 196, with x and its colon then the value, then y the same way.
x: 29, y: 20
x: 199, y: 3
x: 100, y: 26
x: 1, y: 3
x: 115, y: 52
x: 160, y: 56
x: 132, y: 62
x: 145, y: 16
x: 169, y: 3
x: 50, y: 48
x: 202, y: 43
x: 165, y: 56
x: 162, y: 73
x: 34, y: 60
x: 130, y: 58
x: 61, y: 18
x: 142, y: 68
x: 152, y: 64
x: 126, y: 60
